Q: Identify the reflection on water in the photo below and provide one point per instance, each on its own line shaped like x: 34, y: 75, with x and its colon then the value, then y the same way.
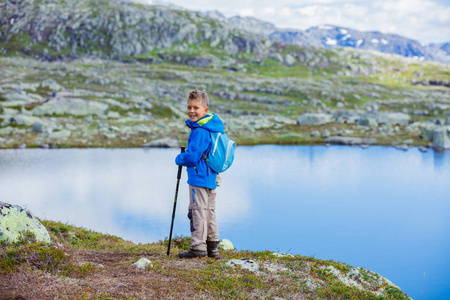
x: 378, y: 208
x: 124, y: 192
x: 439, y: 159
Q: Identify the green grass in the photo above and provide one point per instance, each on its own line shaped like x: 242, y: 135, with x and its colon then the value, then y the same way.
x: 206, y: 278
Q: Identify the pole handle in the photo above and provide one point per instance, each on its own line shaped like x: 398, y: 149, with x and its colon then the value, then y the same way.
x: 183, y: 149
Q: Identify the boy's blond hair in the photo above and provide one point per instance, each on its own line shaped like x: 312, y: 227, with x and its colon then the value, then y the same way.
x: 200, y: 96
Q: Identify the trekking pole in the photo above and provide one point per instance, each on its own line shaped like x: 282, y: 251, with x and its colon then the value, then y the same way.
x: 175, y: 202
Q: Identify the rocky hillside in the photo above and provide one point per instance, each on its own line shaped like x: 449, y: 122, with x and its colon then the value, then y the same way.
x: 329, y: 36
x: 116, y: 74
x: 58, y: 29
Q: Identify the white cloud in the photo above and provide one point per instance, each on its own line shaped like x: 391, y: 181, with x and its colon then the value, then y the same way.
x: 246, y: 12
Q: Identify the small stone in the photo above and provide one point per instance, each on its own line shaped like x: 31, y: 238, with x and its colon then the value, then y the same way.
x: 315, y: 133
x: 113, y: 115
x: 423, y: 149
x: 143, y: 263
x: 38, y: 127
x: 326, y: 133
x: 245, y: 263
x: 402, y: 147
x: 282, y: 254
x: 289, y: 60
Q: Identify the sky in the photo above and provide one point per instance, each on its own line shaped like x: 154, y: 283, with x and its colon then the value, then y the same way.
x: 427, y: 21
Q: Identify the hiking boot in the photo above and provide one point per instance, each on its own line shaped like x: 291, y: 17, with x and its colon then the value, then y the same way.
x: 213, y: 251
x: 192, y: 254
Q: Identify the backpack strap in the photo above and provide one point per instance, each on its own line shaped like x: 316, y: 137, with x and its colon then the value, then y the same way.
x: 205, y: 154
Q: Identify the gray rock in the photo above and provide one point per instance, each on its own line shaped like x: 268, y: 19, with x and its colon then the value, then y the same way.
x: 276, y: 254
x: 346, y: 140
x: 423, y: 149
x: 441, y: 139
x: 163, y: 143
x: 276, y: 57
x: 38, y: 127
x: 326, y: 133
x: 60, y: 134
x: 244, y: 263
x: 314, y: 119
x: 71, y: 106
x: 372, y: 107
x: 116, y: 103
x: 21, y: 119
x: 403, y: 147
x: 348, y: 117
x: 311, y: 285
x: 289, y: 60
x: 39, y: 124
x: 368, y: 120
x: 10, y: 111
x: 143, y: 128
x: 440, y: 121
x: 14, y: 219
x: 18, y: 99
x: 392, y: 118
x: 6, y: 130
x: 427, y: 131
x: 315, y: 133
x: 52, y: 85
x: 109, y: 135
x: 113, y: 115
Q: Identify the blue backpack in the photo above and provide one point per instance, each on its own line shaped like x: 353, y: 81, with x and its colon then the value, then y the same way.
x: 221, y: 154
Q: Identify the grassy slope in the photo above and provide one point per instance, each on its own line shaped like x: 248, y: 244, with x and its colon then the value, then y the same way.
x: 82, y: 264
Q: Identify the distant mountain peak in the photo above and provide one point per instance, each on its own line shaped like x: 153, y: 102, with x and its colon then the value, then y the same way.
x: 330, y: 36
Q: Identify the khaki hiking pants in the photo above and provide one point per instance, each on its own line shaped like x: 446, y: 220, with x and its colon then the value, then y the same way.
x: 202, y: 214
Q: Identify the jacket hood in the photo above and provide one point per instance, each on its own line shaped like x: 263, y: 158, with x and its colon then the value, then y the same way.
x: 210, y: 122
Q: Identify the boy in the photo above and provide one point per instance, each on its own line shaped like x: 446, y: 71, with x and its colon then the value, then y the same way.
x: 201, y: 179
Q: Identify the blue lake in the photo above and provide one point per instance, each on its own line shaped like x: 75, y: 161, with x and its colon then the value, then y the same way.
x: 379, y: 208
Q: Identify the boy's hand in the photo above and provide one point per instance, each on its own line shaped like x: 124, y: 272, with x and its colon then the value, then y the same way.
x: 218, y: 180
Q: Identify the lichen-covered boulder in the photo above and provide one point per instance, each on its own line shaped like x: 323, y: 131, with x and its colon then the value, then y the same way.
x: 226, y: 244
x: 244, y: 263
x: 14, y: 220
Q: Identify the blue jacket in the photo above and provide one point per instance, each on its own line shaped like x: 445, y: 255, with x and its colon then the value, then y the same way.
x: 199, y: 142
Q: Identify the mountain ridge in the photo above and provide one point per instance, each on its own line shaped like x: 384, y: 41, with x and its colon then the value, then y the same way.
x: 57, y: 29
x: 330, y: 36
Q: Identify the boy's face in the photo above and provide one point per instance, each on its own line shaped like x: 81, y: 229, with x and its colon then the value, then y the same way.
x: 196, y: 110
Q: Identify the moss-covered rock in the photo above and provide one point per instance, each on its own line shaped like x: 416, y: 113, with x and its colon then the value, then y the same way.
x: 14, y: 221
